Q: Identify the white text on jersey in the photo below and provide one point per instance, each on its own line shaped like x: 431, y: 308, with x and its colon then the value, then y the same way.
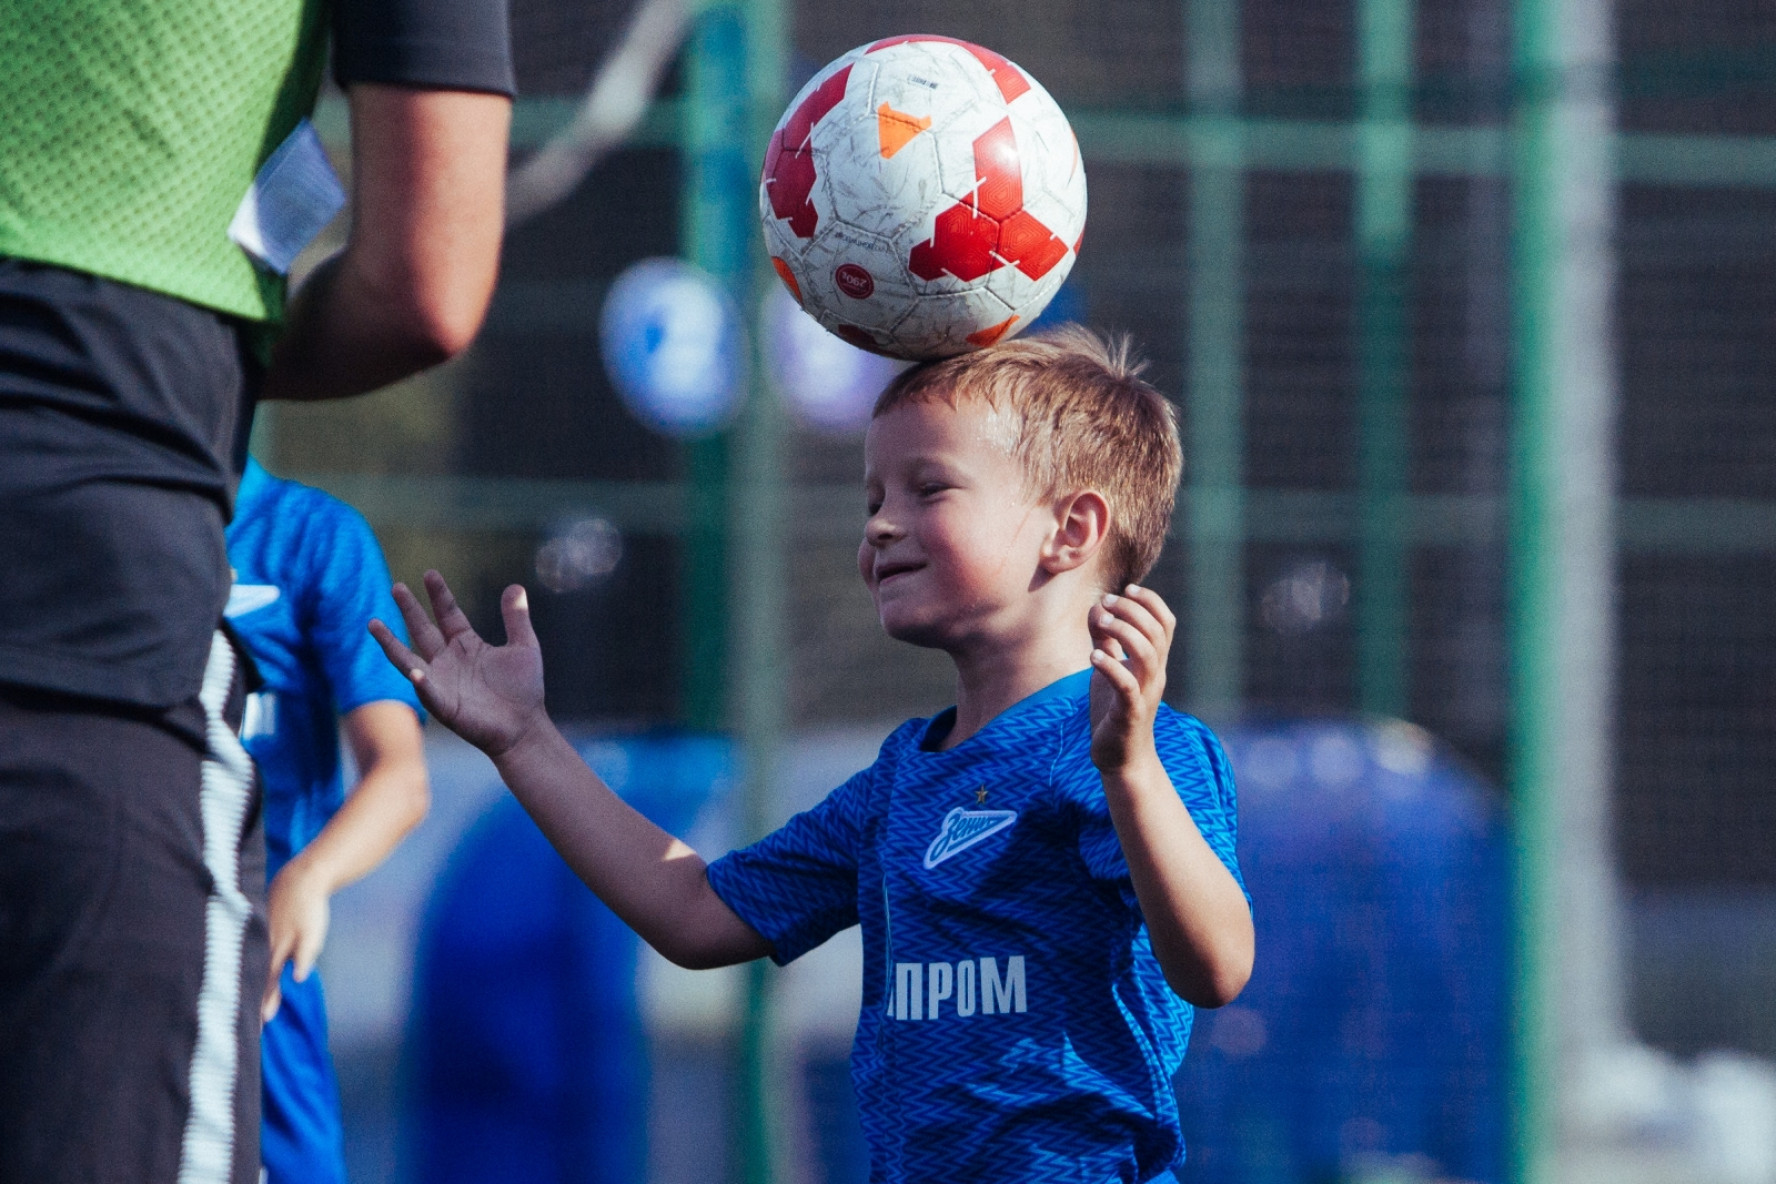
x: 972, y: 985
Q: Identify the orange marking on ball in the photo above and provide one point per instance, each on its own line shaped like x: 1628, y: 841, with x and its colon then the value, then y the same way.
x: 896, y: 129
x: 992, y: 333
x: 788, y: 278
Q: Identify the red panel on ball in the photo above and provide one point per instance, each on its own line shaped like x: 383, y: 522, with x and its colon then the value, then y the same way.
x: 789, y: 166
x: 962, y: 244
x: 991, y: 229
x: 1029, y: 244
x: 998, y: 177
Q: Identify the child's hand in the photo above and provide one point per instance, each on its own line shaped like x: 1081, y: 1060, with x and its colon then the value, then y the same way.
x: 490, y: 695
x: 1125, y: 694
x: 298, y: 911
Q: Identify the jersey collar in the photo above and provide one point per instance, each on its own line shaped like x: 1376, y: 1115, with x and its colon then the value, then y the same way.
x: 1071, y: 686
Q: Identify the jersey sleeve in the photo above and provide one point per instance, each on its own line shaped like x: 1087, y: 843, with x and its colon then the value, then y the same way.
x: 1199, y: 772
x: 798, y: 885
x: 347, y: 586
x: 430, y: 44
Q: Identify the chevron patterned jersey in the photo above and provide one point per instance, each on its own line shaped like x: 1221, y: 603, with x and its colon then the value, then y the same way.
x: 1015, y: 1025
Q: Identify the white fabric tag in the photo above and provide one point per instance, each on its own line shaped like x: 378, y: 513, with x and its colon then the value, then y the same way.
x: 291, y: 200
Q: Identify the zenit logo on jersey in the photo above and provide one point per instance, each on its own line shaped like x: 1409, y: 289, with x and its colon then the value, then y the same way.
x: 962, y: 829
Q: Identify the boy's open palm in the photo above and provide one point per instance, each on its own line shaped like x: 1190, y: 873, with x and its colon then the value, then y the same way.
x: 490, y: 695
x: 1131, y: 636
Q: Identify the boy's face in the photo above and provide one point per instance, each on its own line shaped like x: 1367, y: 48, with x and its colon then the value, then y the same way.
x: 953, y: 541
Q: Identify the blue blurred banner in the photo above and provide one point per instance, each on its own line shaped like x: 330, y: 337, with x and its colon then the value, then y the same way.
x: 527, y: 1060
x: 1372, y: 1041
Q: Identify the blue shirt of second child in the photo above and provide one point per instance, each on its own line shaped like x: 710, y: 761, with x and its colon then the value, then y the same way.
x: 1015, y: 1023
x: 308, y: 576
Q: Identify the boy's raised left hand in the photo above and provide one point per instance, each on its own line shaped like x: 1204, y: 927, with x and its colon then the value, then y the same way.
x: 1131, y: 635
x: 1195, y: 910
x: 490, y: 695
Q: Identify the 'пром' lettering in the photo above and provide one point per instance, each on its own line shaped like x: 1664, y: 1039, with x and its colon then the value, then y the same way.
x: 972, y: 986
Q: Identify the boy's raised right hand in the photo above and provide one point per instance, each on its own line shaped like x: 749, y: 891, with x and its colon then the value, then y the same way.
x: 490, y: 695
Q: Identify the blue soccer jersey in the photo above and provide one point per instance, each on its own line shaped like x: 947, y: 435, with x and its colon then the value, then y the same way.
x: 308, y: 577
x: 1015, y: 1024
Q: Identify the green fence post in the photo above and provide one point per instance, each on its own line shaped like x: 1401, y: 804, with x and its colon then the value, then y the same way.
x: 738, y: 643
x: 714, y: 200
x: 758, y: 589
x: 1213, y: 509
x: 1531, y: 620
x: 1384, y: 242
x: 1563, y: 554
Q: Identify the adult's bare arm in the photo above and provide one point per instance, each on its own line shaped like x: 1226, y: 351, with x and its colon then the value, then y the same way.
x: 411, y: 286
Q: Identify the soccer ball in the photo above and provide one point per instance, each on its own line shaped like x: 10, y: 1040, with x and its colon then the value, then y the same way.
x: 923, y: 197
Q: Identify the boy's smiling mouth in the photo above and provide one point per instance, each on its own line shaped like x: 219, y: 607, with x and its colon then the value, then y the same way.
x: 887, y: 571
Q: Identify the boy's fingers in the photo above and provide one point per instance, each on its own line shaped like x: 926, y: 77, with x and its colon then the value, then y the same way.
x: 308, y: 952
x: 403, y: 659
x: 452, y: 621
x: 1095, y: 623
x: 1135, y: 643
x: 426, y: 638
x: 1154, y: 632
x: 1121, y: 678
x: 281, y: 946
x: 1111, y: 645
x: 1141, y: 615
x: 274, y: 999
x: 1154, y: 603
x: 280, y: 954
x: 515, y: 609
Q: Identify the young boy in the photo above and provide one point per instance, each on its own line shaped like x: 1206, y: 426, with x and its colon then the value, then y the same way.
x: 1045, y: 872
x: 308, y: 574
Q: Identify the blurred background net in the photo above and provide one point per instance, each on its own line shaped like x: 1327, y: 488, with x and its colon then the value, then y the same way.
x: 1338, y: 332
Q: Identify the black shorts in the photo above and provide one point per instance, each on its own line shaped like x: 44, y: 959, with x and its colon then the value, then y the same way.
x: 132, y: 939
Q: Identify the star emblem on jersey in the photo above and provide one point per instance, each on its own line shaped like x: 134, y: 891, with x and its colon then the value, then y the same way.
x: 962, y: 829
x: 980, y: 796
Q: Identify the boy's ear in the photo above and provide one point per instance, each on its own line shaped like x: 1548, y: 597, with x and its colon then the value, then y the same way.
x: 1082, y: 525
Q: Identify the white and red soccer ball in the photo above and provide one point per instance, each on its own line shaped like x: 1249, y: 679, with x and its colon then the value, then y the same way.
x: 923, y: 197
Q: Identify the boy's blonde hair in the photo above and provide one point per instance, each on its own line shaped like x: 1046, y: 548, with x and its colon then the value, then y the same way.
x: 1083, y: 418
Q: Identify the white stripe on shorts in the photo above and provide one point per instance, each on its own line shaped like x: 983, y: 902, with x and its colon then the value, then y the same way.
x: 208, y: 1153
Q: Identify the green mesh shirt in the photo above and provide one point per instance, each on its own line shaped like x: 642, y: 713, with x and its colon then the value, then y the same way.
x: 131, y: 129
